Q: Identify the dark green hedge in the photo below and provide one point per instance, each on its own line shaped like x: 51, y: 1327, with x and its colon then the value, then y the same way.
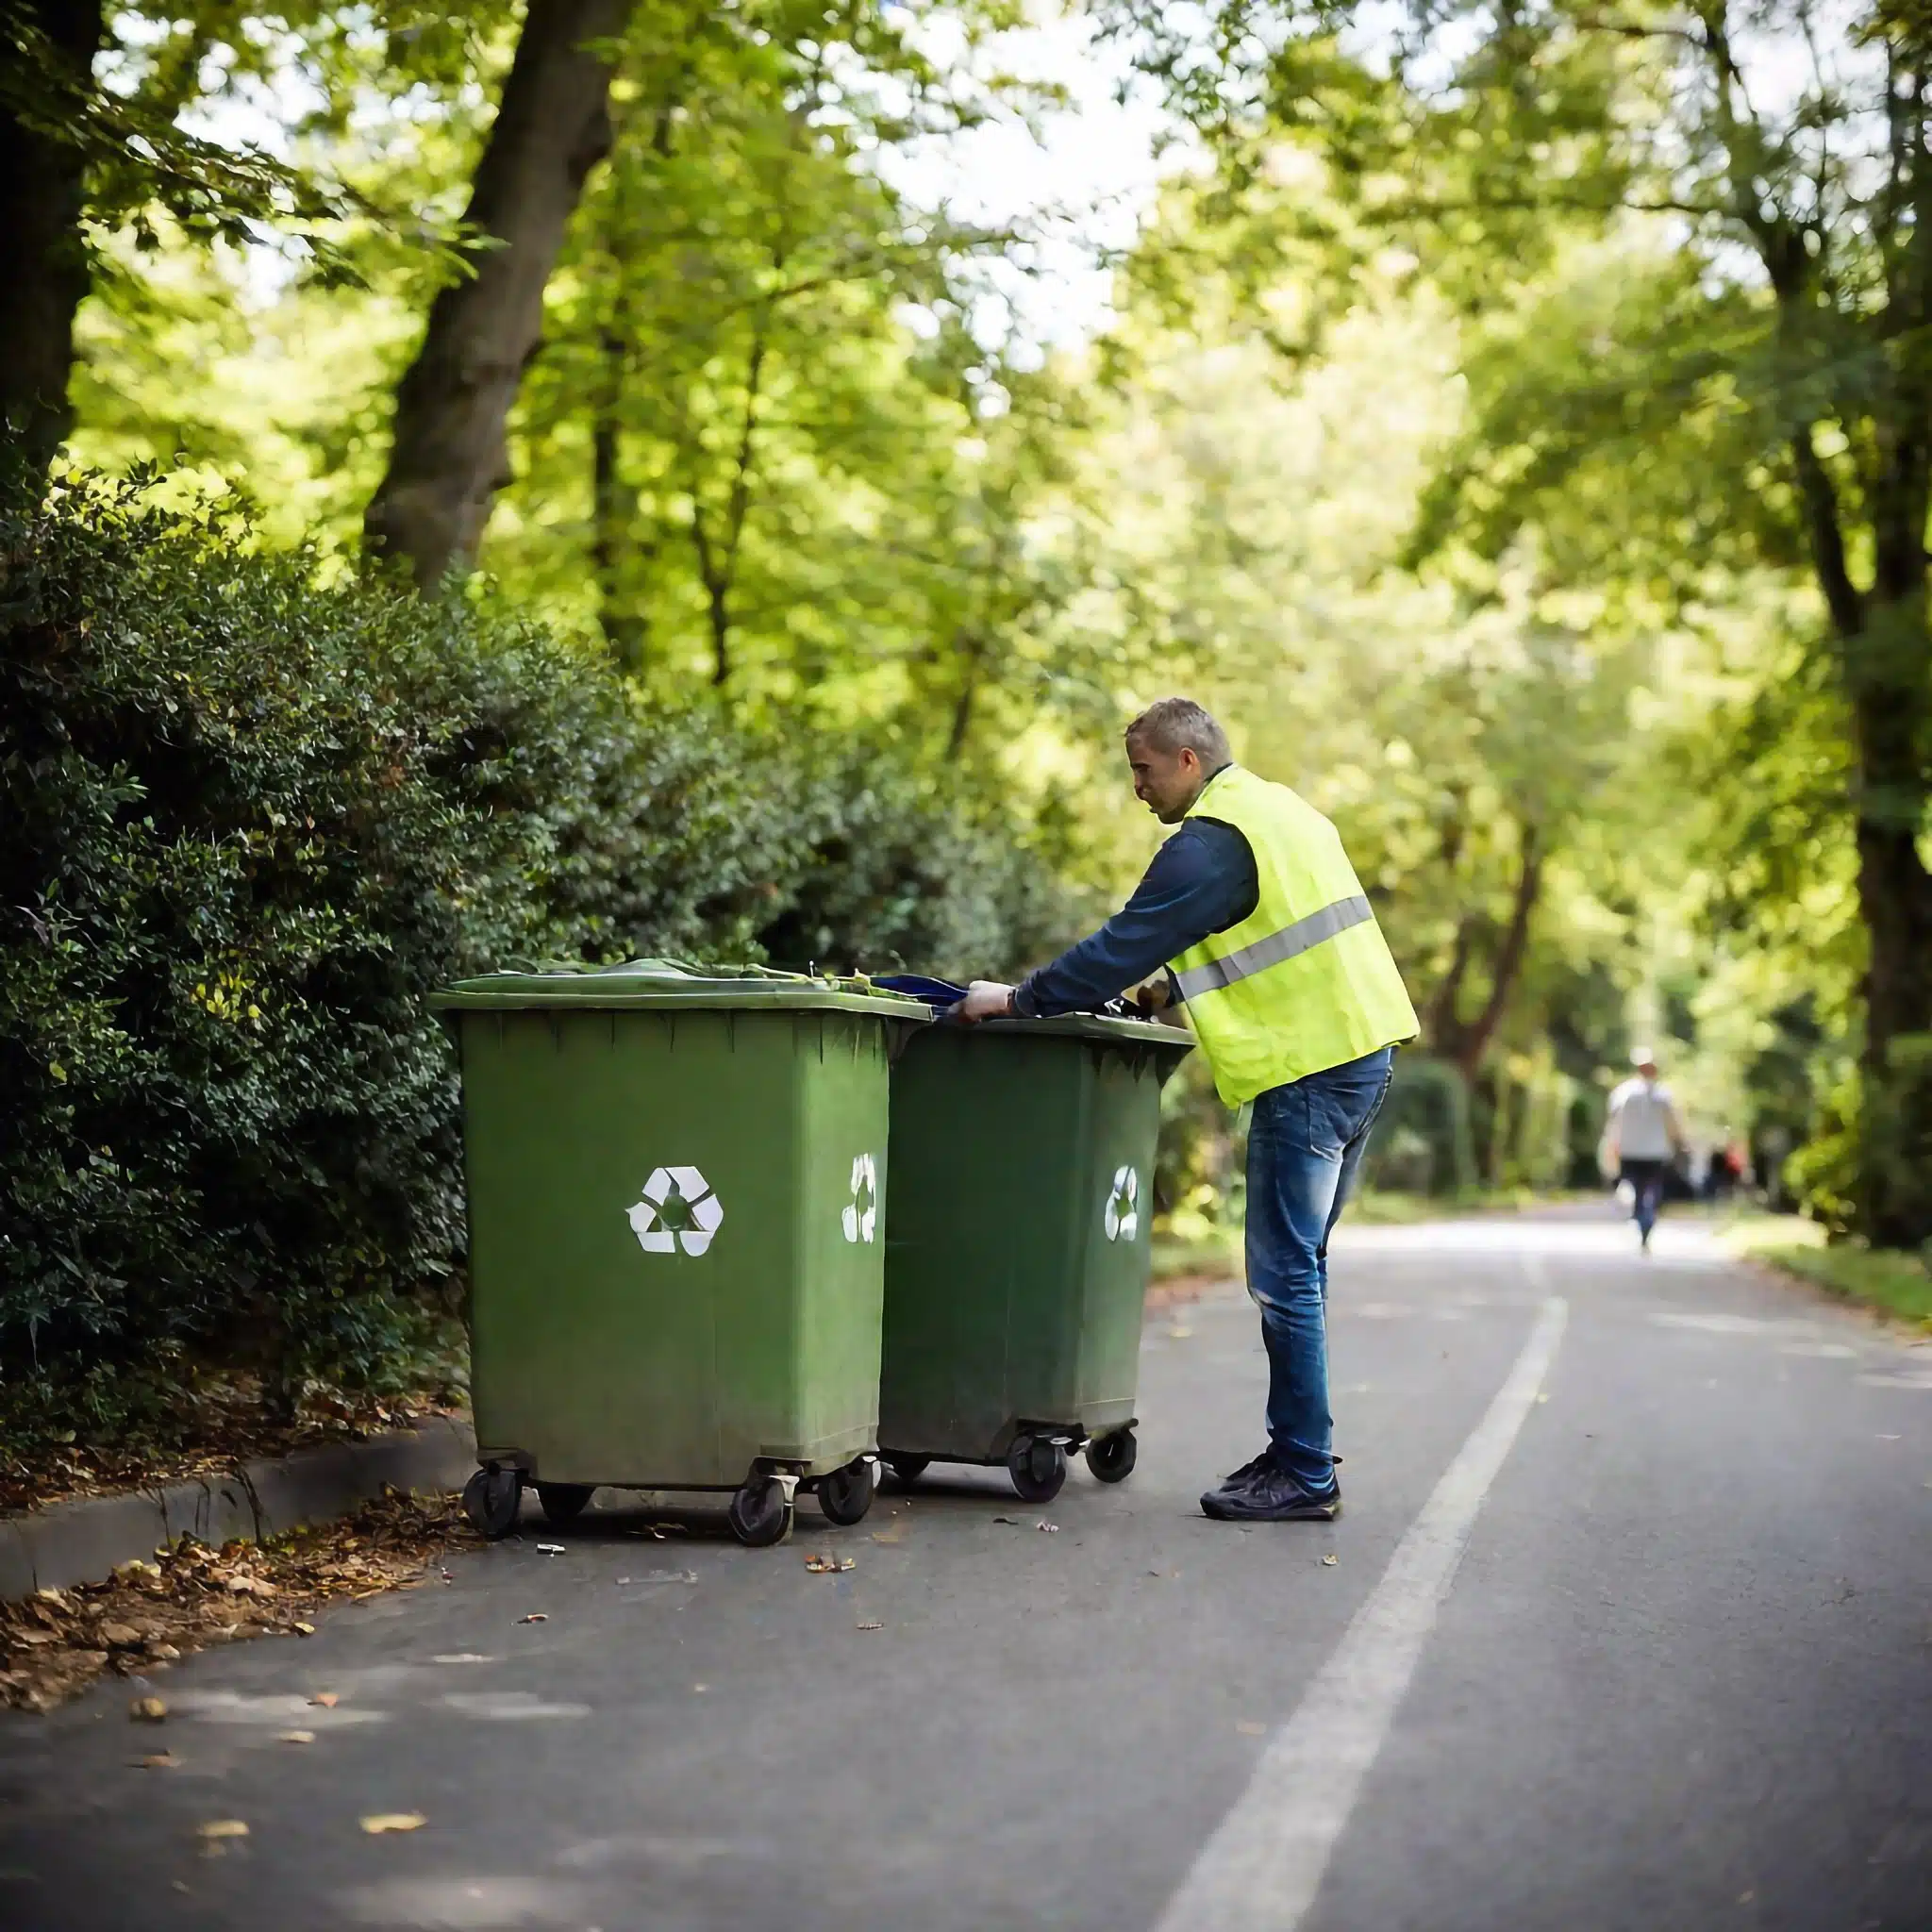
x: 1422, y: 1142
x: 248, y: 819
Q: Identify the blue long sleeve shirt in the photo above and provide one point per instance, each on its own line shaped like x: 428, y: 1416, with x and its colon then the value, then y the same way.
x: 1201, y: 881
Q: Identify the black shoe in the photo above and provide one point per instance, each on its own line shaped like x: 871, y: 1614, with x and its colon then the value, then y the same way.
x: 1272, y: 1495
x: 1241, y: 1477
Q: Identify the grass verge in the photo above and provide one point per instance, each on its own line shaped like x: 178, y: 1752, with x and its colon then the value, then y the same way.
x: 1895, y: 1283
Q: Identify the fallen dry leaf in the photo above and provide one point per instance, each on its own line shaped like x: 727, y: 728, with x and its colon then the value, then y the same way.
x: 159, y: 1761
x: 326, y: 1699
x: 829, y: 1566
x: 147, y: 1710
x: 57, y: 1642
x: 222, y: 1827
x: 296, y: 1738
x: 382, y: 1821
x: 303, y: 1629
x: 535, y: 1617
x: 1329, y: 1562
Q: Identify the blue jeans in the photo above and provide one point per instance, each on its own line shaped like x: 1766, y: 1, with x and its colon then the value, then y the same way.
x: 1304, y: 1143
x: 1646, y: 1178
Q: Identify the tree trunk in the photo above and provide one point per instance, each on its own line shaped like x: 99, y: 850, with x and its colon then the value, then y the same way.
x: 41, y: 241
x: 611, y: 515
x: 1888, y: 668
x: 1474, y: 1039
x: 449, y: 458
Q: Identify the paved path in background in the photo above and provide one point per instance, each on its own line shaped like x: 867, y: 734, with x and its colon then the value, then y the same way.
x: 1628, y: 1626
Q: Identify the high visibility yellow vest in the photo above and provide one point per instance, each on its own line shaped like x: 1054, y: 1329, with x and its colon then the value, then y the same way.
x: 1307, y: 981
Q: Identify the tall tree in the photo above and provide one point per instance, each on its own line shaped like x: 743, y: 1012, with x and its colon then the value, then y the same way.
x: 1785, y: 325
x: 80, y: 161
x: 448, y: 458
x: 44, y: 168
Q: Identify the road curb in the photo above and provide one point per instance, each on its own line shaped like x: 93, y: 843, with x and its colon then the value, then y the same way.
x: 84, y: 1541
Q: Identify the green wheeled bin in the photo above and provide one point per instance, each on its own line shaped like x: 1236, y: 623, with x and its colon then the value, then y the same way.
x: 676, y: 1189
x: 1017, y: 1244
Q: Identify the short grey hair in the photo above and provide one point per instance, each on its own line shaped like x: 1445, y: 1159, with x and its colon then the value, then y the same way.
x: 1172, y: 724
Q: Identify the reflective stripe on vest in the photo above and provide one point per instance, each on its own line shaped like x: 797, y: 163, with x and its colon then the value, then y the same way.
x: 1286, y: 943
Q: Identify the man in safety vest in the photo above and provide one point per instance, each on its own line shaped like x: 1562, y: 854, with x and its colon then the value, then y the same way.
x: 1269, y: 940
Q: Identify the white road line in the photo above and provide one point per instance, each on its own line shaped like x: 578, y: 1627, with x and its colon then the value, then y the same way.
x: 1260, y: 1871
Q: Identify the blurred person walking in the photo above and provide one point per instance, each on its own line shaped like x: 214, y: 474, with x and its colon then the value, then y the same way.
x: 1643, y: 1137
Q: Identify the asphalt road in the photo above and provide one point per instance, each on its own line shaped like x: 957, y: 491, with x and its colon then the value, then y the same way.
x: 1628, y: 1625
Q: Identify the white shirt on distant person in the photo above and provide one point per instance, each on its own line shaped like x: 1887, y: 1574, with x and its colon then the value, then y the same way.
x: 1644, y: 1118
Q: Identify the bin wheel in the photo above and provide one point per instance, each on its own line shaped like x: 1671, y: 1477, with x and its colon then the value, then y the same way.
x: 761, y: 1513
x: 564, y: 1502
x: 846, y: 1494
x: 1038, y: 1468
x: 490, y: 1499
x: 1112, y: 1458
x: 907, y: 1470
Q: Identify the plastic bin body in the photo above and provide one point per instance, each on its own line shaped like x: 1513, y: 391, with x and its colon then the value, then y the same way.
x: 615, y: 1341
x: 1017, y: 1241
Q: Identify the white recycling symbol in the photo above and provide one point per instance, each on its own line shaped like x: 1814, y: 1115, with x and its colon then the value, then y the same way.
x: 1122, y: 1215
x: 679, y: 1210
x: 862, y: 1216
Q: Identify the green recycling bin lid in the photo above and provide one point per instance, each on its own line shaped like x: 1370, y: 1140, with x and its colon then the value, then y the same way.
x: 1106, y: 1026
x: 673, y: 983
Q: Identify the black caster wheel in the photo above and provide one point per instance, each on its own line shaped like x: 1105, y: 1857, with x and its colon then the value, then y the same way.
x: 490, y: 1499
x: 564, y: 1502
x: 907, y: 1470
x: 846, y: 1494
x: 1112, y: 1458
x: 1038, y: 1468
x: 761, y: 1513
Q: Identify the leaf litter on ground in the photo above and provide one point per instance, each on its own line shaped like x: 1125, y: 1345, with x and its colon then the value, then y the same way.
x: 821, y: 1565
x: 54, y: 1643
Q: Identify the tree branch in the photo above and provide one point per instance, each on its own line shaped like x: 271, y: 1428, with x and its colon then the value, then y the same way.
x: 1476, y: 1041
x: 1824, y: 526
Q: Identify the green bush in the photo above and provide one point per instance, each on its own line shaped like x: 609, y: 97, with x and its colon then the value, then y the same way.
x: 247, y: 820
x: 1422, y: 1142
x: 1868, y: 1168
x: 896, y: 871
